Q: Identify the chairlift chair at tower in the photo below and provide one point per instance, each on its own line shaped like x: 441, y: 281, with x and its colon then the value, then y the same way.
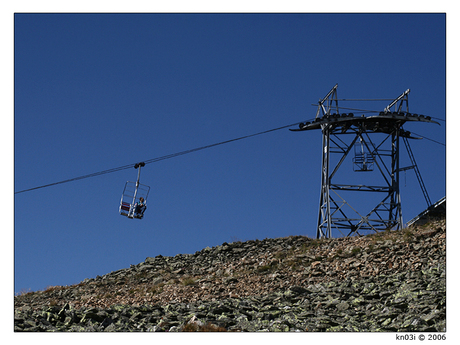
x: 376, y: 143
x: 133, y: 193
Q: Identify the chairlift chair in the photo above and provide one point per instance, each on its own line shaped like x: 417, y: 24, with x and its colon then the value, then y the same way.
x: 363, y: 161
x: 132, y: 193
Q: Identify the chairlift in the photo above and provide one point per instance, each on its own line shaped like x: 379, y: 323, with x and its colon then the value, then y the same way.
x: 132, y: 194
x: 363, y: 161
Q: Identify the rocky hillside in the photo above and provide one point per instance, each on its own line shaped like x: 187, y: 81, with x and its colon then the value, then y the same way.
x: 392, y: 281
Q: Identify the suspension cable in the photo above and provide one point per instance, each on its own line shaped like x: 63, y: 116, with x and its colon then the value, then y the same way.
x: 157, y: 159
x: 173, y: 155
x: 437, y: 142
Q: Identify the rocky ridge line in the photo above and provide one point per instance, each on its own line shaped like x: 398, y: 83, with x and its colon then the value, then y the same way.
x: 388, y: 281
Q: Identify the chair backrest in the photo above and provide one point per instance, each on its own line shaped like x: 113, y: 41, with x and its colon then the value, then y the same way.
x: 125, y: 206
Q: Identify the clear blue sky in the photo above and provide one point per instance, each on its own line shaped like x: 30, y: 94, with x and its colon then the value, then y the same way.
x: 99, y: 91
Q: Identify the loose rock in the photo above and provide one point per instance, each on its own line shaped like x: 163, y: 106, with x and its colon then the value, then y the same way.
x: 392, y: 281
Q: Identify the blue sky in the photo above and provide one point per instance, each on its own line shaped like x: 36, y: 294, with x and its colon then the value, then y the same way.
x: 99, y: 91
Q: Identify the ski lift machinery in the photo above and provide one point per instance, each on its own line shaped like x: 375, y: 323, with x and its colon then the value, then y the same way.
x: 132, y: 193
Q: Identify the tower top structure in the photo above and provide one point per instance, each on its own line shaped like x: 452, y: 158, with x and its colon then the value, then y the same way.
x: 328, y: 115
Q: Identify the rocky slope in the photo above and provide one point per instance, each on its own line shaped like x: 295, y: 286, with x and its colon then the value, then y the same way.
x: 392, y: 281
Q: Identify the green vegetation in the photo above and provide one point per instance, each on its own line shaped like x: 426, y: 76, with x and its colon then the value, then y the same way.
x: 209, y: 327
x: 188, y: 282
x: 264, y: 269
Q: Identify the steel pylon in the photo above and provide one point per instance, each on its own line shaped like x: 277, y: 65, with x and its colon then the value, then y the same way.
x: 376, y: 143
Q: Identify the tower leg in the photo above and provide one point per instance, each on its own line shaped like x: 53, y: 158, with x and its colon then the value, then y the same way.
x: 324, y: 216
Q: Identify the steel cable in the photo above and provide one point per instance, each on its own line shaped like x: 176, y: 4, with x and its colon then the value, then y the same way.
x: 154, y: 160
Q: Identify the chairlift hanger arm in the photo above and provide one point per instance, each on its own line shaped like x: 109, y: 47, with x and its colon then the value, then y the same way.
x: 138, y: 165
